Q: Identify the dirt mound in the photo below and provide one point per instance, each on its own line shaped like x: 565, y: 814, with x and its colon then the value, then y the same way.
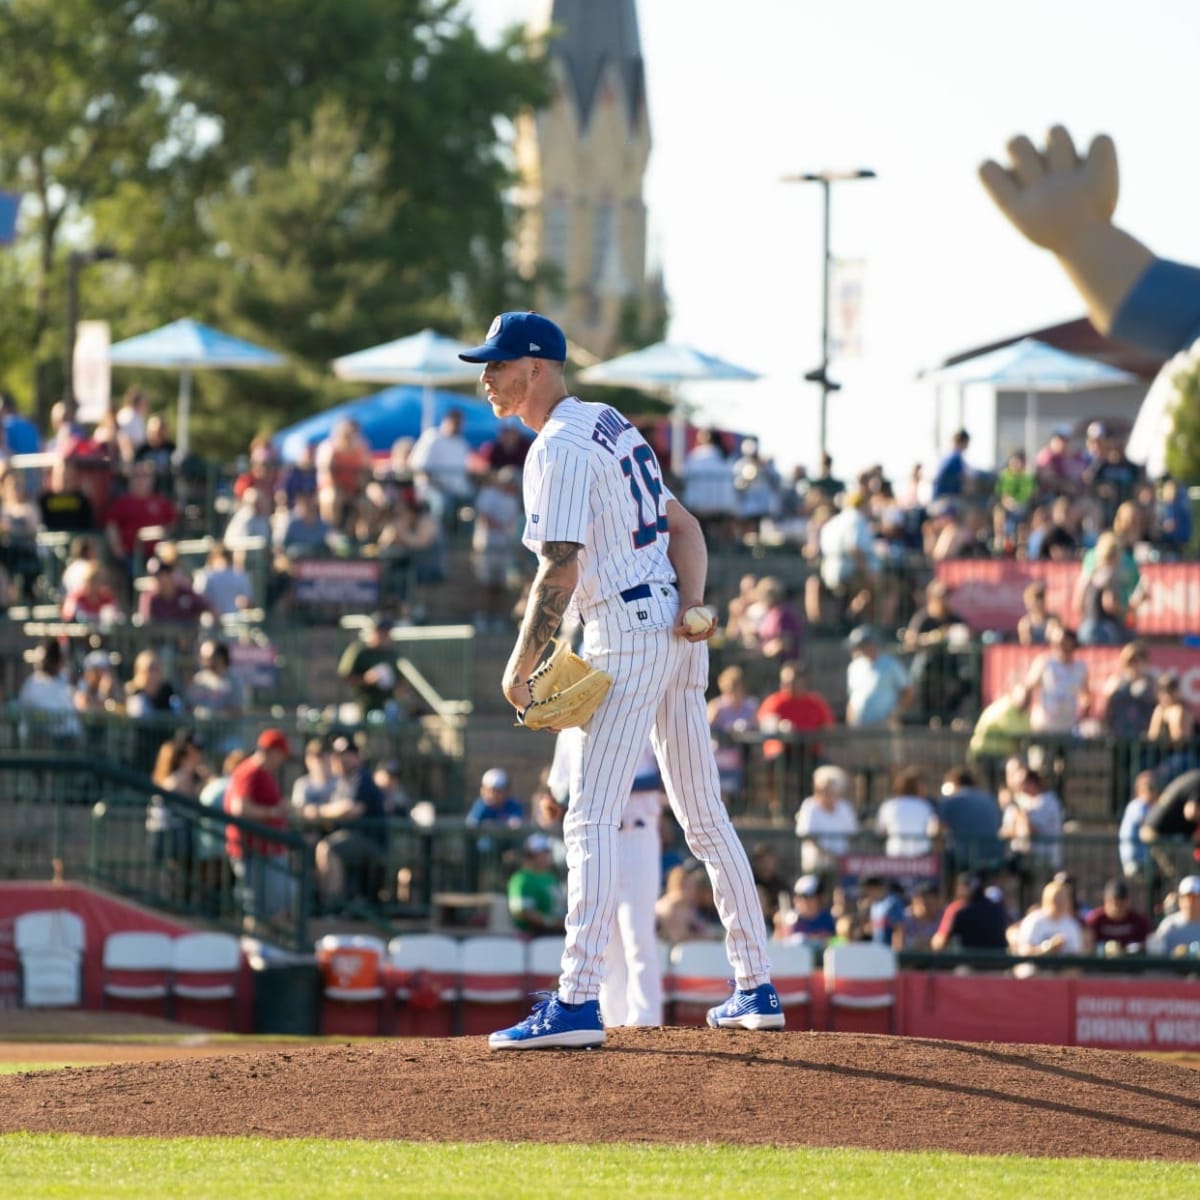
x: 660, y: 1085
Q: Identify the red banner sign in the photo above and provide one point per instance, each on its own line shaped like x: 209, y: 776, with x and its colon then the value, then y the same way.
x: 987, y: 593
x: 1116, y: 1013
x: 1007, y: 665
x: 1128, y: 1017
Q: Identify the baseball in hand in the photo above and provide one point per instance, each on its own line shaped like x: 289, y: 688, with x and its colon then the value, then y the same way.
x: 699, y: 619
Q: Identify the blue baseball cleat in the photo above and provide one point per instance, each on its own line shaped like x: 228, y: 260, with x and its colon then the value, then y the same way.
x: 758, y: 1009
x: 552, y: 1025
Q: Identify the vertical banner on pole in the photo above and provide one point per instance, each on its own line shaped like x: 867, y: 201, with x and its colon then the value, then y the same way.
x: 90, y: 373
x: 845, y: 309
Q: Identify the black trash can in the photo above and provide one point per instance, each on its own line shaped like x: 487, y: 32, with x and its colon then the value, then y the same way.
x: 287, y: 993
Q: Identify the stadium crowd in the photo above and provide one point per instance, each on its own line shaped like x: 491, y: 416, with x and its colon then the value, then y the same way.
x: 92, y: 519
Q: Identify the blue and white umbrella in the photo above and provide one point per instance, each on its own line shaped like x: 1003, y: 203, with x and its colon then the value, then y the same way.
x: 186, y: 346
x: 1032, y: 367
x: 428, y: 359
x: 663, y: 367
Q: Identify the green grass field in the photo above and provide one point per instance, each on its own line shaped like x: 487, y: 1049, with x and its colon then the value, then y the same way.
x: 36, y: 1166
x: 33, y: 1167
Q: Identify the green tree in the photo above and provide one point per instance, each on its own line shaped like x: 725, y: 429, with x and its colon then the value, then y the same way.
x: 79, y: 110
x: 316, y: 176
x: 1183, y: 447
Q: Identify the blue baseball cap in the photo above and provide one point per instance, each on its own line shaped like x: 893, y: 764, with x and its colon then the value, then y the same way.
x: 520, y: 335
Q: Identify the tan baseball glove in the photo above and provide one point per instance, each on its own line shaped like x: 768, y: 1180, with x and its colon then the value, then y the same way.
x: 565, y: 691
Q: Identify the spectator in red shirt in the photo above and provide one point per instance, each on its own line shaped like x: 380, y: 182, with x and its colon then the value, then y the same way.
x: 93, y: 599
x: 264, y: 471
x: 793, y: 708
x: 508, y: 450
x: 170, y: 599
x: 260, y: 864
x: 1117, y: 922
x: 141, y: 507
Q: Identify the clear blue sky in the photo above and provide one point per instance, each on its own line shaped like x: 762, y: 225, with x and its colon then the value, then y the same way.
x: 742, y: 94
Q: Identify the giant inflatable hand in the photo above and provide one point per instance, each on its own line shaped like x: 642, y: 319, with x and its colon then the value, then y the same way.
x: 1065, y: 203
x: 1055, y: 198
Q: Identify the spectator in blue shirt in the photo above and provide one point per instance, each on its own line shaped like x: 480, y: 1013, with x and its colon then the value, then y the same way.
x: 969, y: 821
x: 1172, y: 518
x: 1133, y: 851
x: 884, y: 901
x: 810, y: 920
x: 952, y: 473
x: 877, y: 685
x: 20, y: 433
x: 494, y: 805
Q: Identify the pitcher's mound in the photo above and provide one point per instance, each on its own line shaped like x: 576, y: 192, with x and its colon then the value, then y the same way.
x: 646, y: 1085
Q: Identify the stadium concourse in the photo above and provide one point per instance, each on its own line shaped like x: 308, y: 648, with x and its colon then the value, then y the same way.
x: 647, y: 1085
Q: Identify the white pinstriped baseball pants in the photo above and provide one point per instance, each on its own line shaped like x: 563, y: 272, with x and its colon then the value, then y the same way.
x: 632, y: 993
x: 659, y: 683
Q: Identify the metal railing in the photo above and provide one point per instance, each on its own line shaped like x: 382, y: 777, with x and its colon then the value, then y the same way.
x: 75, y: 817
x: 284, y: 664
x: 428, y: 752
x: 771, y: 773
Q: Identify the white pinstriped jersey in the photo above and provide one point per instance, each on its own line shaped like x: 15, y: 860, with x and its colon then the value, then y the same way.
x: 591, y: 478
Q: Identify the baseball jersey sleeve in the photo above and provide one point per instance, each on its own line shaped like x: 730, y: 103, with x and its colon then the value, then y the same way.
x: 557, y: 503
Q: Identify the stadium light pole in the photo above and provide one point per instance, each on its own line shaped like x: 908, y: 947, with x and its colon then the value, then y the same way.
x: 826, y: 179
x: 76, y: 261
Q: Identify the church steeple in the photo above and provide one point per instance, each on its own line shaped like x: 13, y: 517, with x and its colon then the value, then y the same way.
x: 594, y: 35
x: 582, y: 161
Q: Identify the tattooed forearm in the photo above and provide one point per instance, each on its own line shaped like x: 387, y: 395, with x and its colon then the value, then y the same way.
x: 561, y: 555
x: 549, y: 595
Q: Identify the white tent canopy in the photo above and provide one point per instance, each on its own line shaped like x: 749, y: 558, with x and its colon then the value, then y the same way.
x: 662, y: 368
x: 186, y: 346
x: 1032, y: 367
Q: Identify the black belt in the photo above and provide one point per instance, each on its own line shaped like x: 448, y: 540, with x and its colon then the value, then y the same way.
x: 641, y: 592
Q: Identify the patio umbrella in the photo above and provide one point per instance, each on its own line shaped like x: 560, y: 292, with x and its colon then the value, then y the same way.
x: 1033, y: 367
x: 427, y: 359
x: 662, y: 368
x: 186, y: 346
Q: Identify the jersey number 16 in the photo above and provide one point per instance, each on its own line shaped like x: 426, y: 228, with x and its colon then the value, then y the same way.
x: 648, y: 491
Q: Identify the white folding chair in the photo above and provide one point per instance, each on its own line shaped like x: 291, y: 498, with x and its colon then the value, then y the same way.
x: 700, y: 977
x: 860, y: 976
x: 205, y: 967
x: 425, y: 983
x: 137, y: 966
x: 792, y: 966
x: 494, y: 990
x: 50, y: 946
x: 543, y: 962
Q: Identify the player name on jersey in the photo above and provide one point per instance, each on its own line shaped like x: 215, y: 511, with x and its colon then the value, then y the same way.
x: 609, y: 426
